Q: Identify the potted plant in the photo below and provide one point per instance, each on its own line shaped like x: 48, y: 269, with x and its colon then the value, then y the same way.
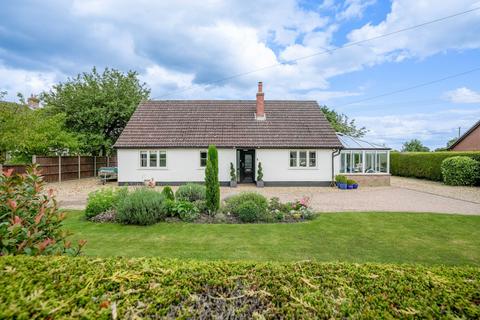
x: 355, y: 184
x: 350, y: 183
x: 233, y: 176
x: 341, y: 181
x: 260, y: 183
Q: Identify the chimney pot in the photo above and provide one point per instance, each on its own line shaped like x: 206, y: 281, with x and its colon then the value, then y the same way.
x: 260, y: 111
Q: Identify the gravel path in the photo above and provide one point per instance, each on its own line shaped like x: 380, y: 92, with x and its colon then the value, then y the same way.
x: 405, y: 194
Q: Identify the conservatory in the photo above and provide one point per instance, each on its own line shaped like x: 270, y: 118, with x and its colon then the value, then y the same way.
x: 365, y: 162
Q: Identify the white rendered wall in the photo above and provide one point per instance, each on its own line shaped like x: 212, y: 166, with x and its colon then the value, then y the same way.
x: 183, y: 165
x: 275, y: 164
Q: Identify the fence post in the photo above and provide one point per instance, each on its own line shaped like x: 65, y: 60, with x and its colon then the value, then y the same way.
x: 94, y: 166
x: 79, y: 168
x: 108, y: 161
x: 59, y: 168
x: 1, y: 168
x: 34, y: 159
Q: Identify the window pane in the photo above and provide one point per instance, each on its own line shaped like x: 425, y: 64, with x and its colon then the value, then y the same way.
x: 369, y: 161
x: 302, y: 158
x: 357, y: 161
x: 163, y: 158
x: 312, y: 159
x: 203, y: 158
x: 343, y: 167
x: 348, y: 161
x: 293, y: 158
x: 153, y: 158
x: 382, y: 162
x: 143, y: 159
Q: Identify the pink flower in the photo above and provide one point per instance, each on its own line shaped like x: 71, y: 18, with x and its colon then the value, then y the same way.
x: 12, y: 204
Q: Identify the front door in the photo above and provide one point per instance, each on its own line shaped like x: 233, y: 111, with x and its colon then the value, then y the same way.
x: 247, y: 166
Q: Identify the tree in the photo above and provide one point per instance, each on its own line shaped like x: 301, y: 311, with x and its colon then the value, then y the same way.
x: 25, y: 132
x: 211, y: 180
x: 342, y: 123
x: 97, y: 106
x: 414, y: 145
x: 451, y: 142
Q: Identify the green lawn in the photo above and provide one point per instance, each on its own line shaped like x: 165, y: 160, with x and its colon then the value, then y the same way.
x: 349, y: 237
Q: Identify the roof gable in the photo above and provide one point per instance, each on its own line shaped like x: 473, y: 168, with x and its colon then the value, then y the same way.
x: 227, y: 123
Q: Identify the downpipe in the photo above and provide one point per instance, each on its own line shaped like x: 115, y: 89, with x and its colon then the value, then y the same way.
x: 335, y: 153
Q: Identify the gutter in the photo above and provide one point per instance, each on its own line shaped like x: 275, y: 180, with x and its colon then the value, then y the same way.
x: 335, y: 153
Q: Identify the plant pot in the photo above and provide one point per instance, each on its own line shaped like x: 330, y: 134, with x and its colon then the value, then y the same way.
x: 350, y: 186
x: 233, y: 184
x: 342, y: 186
x: 355, y: 186
x: 260, y: 184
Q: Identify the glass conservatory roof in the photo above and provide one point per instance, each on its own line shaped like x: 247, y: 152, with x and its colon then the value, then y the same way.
x: 349, y: 142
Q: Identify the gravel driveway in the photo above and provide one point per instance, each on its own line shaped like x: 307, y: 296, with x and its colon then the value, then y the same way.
x: 404, y: 194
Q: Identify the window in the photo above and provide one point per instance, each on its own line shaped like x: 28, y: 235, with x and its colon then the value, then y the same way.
x: 363, y: 161
x: 163, y: 159
x: 153, y: 159
x: 143, y: 159
x: 312, y: 159
x: 303, y: 158
x: 293, y: 158
x: 203, y: 159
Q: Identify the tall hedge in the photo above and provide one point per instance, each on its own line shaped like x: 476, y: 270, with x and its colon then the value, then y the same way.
x: 121, y: 288
x: 423, y: 165
x: 211, y: 180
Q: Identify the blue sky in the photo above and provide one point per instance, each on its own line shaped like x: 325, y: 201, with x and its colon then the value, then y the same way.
x: 190, y: 44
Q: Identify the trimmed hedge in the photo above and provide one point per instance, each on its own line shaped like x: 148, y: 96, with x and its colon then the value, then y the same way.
x: 460, y: 171
x: 423, y: 165
x: 93, y: 288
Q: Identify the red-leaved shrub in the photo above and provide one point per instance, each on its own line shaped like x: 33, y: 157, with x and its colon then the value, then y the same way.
x: 30, y: 221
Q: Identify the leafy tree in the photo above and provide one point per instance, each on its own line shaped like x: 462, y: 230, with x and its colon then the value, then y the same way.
x: 97, y: 105
x: 211, y: 180
x: 414, y: 145
x: 451, y: 142
x: 342, y: 123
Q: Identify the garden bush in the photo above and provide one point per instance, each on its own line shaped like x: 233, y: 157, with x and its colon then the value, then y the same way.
x: 423, y: 165
x: 249, y: 211
x: 460, y: 171
x: 125, y: 288
x: 30, y: 221
x: 234, y: 203
x: 211, y: 181
x: 190, y: 192
x: 339, y: 178
x: 186, y: 211
x: 103, y: 200
x: 168, y: 193
x: 142, y: 207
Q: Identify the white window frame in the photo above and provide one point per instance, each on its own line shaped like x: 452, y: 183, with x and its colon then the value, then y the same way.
x: 200, y: 159
x: 307, y: 167
x: 157, y: 153
x: 363, y: 153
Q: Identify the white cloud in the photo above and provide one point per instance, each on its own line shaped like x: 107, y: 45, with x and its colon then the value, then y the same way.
x: 354, y: 8
x: 463, y: 95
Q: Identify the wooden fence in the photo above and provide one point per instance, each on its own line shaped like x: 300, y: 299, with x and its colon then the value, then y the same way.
x: 57, y: 169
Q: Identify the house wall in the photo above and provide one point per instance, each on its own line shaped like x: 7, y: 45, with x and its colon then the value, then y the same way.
x: 183, y: 165
x: 277, y: 171
x: 470, y: 142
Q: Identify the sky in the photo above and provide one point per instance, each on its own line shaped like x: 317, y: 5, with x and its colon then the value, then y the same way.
x: 212, y: 49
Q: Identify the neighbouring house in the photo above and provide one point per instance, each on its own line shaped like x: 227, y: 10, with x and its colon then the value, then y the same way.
x: 469, y: 141
x: 167, y: 141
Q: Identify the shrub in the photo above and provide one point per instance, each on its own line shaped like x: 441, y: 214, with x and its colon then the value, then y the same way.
x: 142, y: 207
x: 211, y: 180
x: 107, y: 216
x: 103, y: 200
x: 191, y: 192
x: 339, y: 178
x: 460, y: 171
x: 30, y: 222
x: 234, y: 203
x: 260, y: 172
x: 249, y: 211
x: 168, y: 207
x: 350, y: 182
x: 168, y: 193
x: 219, y: 289
x: 423, y: 165
x: 233, y: 174
x: 186, y: 211
x: 201, y: 205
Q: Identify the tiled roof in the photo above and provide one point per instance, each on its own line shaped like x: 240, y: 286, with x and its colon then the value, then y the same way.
x: 229, y: 123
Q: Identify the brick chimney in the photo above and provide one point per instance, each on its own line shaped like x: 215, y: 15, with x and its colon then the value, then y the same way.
x: 260, y: 112
x: 33, y: 102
